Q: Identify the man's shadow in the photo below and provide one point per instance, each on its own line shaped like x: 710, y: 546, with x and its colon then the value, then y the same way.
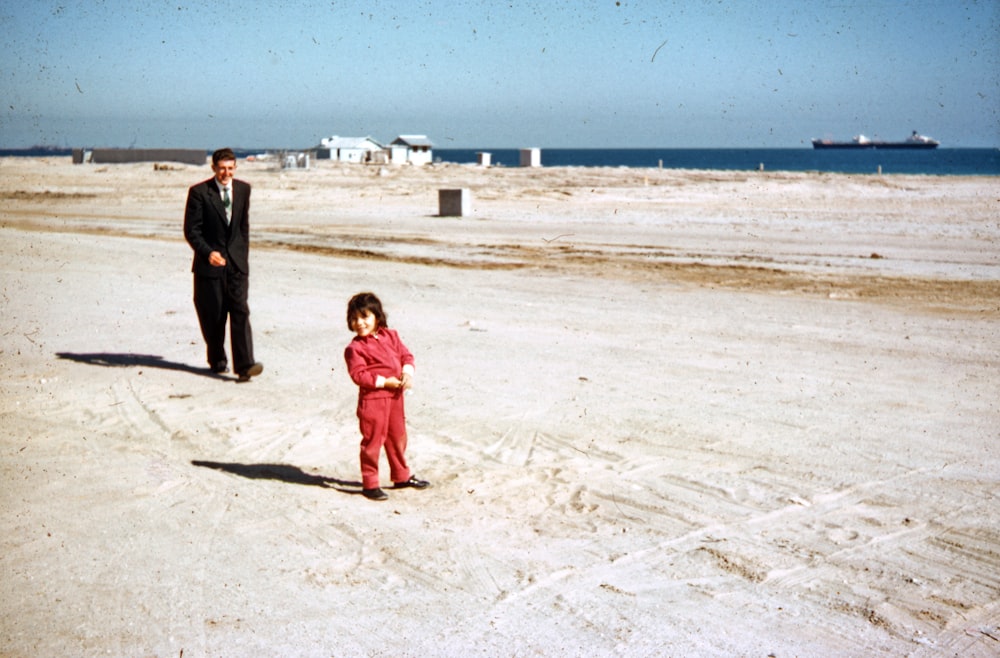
x: 128, y: 360
x: 282, y: 473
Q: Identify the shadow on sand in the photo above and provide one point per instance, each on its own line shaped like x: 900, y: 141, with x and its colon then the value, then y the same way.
x: 129, y: 360
x: 282, y: 473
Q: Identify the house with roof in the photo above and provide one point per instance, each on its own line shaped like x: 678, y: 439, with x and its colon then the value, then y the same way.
x: 414, y: 149
x: 350, y: 149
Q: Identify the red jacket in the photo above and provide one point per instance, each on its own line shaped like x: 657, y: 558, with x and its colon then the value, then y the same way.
x: 374, y: 358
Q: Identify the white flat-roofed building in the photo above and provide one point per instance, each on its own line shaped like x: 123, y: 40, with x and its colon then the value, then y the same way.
x: 350, y: 149
x: 414, y: 149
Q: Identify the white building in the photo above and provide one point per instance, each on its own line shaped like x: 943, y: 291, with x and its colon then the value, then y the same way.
x: 414, y: 149
x: 350, y: 149
x: 531, y: 157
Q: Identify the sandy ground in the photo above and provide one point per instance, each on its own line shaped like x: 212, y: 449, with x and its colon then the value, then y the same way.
x: 677, y: 413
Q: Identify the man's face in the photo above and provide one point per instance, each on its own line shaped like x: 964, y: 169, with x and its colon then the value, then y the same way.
x: 224, y: 170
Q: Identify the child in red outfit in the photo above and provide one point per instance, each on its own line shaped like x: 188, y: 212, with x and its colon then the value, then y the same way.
x: 382, y: 367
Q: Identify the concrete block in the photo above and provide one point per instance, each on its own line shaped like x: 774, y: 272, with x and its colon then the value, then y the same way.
x: 454, y: 203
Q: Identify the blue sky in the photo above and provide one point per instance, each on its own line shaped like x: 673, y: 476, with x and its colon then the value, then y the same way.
x: 478, y: 74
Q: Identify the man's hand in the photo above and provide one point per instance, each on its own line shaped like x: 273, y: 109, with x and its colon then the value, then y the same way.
x: 216, y: 259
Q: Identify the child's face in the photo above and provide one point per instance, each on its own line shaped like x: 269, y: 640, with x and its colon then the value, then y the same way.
x: 364, y: 324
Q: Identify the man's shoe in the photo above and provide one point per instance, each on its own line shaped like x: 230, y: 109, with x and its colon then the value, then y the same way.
x: 375, y: 494
x: 252, y: 371
x: 412, y: 483
x: 220, y: 367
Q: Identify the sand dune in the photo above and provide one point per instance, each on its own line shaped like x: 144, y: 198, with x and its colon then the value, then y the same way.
x: 664, y: 413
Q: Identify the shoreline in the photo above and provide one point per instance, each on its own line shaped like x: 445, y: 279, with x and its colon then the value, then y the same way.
x: 884, y: 163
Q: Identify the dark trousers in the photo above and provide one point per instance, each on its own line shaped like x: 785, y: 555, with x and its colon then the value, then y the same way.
x: 217, y: 299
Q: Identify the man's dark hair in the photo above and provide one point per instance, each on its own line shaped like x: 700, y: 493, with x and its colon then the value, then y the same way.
x: 223, y: 154
x: 362, y: 303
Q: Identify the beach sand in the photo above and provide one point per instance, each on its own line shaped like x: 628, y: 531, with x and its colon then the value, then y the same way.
x: 677, y: 413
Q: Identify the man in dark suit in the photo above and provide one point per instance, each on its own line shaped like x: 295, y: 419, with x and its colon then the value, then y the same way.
x: 217, y: 226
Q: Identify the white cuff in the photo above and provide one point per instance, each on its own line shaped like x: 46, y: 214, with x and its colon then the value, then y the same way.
x: 408, y: 369
x: 380, y: 382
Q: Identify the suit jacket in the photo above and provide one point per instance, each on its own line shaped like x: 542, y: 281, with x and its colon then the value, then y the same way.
x: 206, y: 230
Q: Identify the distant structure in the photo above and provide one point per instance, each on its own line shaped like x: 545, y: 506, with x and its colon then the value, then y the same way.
x: 292, y: 159
x: 351, y: 149
x: 405, y: 149
x: 412, y: 149
x: 531, y: 157
x: 118, y: 156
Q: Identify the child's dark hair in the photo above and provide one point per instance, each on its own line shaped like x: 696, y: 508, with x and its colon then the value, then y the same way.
x: 362, y: 303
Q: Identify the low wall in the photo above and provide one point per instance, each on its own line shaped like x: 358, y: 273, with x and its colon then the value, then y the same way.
x: 116, y: 156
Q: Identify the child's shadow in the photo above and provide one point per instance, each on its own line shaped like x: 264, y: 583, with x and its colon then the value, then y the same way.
x: 282, y: 473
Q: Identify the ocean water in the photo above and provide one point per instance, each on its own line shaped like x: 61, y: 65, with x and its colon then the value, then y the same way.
x: 937, y: 162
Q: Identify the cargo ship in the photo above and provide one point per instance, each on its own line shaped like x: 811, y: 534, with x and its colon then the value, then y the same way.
x: 914, y: 141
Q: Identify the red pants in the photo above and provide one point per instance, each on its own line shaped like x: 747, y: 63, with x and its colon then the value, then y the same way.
x: 383, y: 423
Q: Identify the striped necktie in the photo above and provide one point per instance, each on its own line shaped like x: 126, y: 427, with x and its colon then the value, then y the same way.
x: 227, y: 202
